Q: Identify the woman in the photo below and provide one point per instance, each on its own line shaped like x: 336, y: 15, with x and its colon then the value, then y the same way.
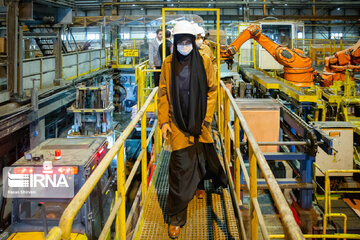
x: 187, y: 100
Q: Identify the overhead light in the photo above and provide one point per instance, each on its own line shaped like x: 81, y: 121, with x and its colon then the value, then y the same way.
x: 209, y: 5
x: 338, y: 9
x: 141, y: 9
x: 133, y: 5
x: 285, y: 4
x: 172, y: 4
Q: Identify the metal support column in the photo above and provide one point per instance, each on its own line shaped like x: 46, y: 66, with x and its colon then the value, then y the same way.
x: 102, y: 34
x: 58, y: 58
x: 246, y: 11
x: 20, y: 80
x: 306, y: 175
x: 12, y: 44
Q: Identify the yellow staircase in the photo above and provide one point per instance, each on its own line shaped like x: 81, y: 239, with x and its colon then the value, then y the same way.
x: 209, y: 218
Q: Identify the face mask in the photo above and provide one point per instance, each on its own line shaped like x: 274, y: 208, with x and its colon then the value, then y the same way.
x: 199, y: 42
x: 184, y: 49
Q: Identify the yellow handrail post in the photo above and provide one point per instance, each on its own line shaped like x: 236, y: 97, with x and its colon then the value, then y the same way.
x: 326, y: 202
x: 144, y: 159
x: 253, y: 193
x: 226, y: 126
x: 220, y: 112
x: 117, y: 220
x: 218, y: 58
x: 133, y: 58
x: 237, y: 160
x: 121, y: 193
x: 163, y: 50
x: 254, y: 53
x: 223, y: 129
x: 141, y: 90
x: 218, y: 48
x: 341, y: 44
x: 143, y: 144
x: 157, y: 131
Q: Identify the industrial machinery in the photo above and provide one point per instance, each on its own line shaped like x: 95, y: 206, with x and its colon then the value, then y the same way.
x: 336, y: 65
x: 73, y: 159
x: 297, y: 68
x: 93, y: 111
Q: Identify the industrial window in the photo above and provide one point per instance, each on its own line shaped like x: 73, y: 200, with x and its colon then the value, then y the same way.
x: 93, y: 36
x: 336, y: 35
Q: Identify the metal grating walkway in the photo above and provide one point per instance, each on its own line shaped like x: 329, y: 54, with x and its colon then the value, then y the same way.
x: 209, y: 218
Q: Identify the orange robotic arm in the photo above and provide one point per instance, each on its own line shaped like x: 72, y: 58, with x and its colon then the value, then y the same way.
x: 336, y: 65
x: 297, y: 68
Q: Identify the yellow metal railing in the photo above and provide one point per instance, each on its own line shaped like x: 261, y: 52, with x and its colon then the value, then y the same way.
x: 256, y: 158
x: 327, y: 209
x: 143, y: 78
x: 312, y: 48
x: 63, y: 231
x: 253, y: 50
x: 120, y: 59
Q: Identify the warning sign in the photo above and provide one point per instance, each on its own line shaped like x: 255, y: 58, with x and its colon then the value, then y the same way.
x: 131, y: 52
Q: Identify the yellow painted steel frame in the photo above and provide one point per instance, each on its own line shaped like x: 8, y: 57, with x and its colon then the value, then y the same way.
x: 327, y: 211
x: 256, y: 158
x: 145, y: 84
x: 66, y: 220
x: 116, y: 54
x: 217, y: 11
x: 253, y: 49
x: 311, y: 43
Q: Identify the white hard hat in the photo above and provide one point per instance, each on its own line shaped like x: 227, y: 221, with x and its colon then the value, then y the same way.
x: 184, y: 27
x: 199, y: 30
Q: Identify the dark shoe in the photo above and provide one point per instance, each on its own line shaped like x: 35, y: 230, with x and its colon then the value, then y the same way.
x: 200, y: 194
x: 174, y: 231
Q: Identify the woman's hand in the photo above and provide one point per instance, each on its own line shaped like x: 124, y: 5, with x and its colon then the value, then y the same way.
x: 166, y: 131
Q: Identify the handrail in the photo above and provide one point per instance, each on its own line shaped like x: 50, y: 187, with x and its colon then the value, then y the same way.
x: 327, y: 208
x: 75, y: 205
x: 65, y: 54
x: 327, y: 211
x: 256, y: 157
x: 39, y: 74
x: 236, y: 204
